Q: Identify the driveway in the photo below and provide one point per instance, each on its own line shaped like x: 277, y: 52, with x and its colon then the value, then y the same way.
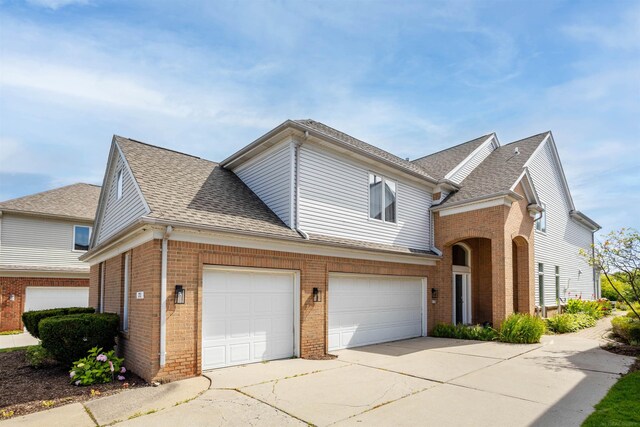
x: 418, y: 381
x: 18, y: 340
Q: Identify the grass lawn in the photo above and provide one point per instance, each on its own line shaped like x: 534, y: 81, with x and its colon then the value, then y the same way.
x: 9, y: 350
x: 621, y: 405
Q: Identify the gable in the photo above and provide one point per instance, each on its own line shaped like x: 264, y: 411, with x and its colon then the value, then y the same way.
x: 115, y: 214
x: 464, y: 168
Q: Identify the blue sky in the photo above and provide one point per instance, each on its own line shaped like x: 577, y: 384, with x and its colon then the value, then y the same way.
x: 411, y: 77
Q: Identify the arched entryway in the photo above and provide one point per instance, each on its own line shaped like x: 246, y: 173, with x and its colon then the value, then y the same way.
x: 461, y: 282
x: 520, y: 272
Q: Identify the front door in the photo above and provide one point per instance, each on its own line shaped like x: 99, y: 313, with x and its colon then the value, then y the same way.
x: 462, y: 298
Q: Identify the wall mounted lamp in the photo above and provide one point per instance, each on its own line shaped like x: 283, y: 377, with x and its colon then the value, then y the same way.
x: 434, y: 293
x: 317, y: 295
x: 180, y: 294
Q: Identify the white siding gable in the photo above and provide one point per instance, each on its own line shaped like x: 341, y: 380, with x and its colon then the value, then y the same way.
x: 31, y: 241
x: 560, y: 244
x: 334, y: 201
x: 270, y: 176
x: 460, y: 172
x: 116, y: 214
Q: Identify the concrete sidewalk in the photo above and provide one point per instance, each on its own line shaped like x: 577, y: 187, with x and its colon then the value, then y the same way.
x: 18, y: 340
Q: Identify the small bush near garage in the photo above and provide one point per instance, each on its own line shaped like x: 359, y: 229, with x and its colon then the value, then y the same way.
x: 464, y: 332
x: 627, y: 328
x: 37, y: 356
x: 97, y: 368
x: 568, y: 322
x: 521, y: 328
x: 31, y: 319
x: 69, y: 338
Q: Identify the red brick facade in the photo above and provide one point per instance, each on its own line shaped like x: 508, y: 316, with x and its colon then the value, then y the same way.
x: 11, y: 311
x: 493, y: 234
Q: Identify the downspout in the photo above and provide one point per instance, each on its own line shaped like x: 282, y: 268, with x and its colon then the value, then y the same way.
x: 163, y: 297
x: 297, y: 188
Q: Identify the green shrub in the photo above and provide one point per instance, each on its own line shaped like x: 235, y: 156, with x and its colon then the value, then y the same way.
x: 31, y: 319
x: 636, y: 307
x: 97, y: 368
x: 569, y: 322
x: 594, y: 309
x: 37, y: 356
x: 521, y: 328
x: 69, y: 338
x: 464, y: 332
x: 627, y: 328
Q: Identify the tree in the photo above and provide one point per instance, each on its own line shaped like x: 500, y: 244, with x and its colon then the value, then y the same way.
x: 618, y: 257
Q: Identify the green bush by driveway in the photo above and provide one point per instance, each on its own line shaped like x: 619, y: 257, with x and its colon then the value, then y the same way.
x: 31, y: 319
x: 569, y: 322
x: 521, y: 328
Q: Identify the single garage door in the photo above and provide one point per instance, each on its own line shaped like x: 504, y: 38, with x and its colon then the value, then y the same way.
x: 45, y: 297
x: 373, y: 309
x: 247, y: 316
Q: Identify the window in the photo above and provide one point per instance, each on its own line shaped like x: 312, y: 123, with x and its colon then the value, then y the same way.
x: 81, y: 236
x: 558, y: 284
x: 459, y: 256
x: 541, y: 222
x: 382, y: 198
x: 119, y: 185
x: 125, y: 304
x: 541, y: 283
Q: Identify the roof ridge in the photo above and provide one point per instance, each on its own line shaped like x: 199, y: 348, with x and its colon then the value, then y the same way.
x: 453, y: 146
x: 528, y: 137
x: 162, y: 148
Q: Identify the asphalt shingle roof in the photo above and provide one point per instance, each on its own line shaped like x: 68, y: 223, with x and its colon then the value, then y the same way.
x: 364, y: 147
x: 442, y: 162
x: 78, y: 201
x: 498, y: 172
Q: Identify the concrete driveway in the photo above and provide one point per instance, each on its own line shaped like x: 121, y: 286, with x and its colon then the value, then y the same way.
x: 413, y: 382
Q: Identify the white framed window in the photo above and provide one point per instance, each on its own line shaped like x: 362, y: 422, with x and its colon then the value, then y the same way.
x: 126, y: 286
x: 558, y: 284
x: 382, y: 198
x: 541, y: 222
x: 119, y: 185
x: 541, y: 283
x: 81, y: 237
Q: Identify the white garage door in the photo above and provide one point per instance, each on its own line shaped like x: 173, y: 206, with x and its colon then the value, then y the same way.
x: 42, y: 298
x: 373, y: 309
x: 247, y: 316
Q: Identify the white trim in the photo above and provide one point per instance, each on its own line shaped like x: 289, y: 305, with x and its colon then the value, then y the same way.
x: 297, y: 301
x: 126, y: 290
x: 293, y: 214
x: 467, y: 316
x: 499, y: 201
x: 44, y: 273
x: 133, y: 178
x: 234, y: 240
x: 260, y: 156
x: 126, y: 243
x: 469, y: 157
x: 425, y: 306
x: 73, y: 242
x: 102, y: 278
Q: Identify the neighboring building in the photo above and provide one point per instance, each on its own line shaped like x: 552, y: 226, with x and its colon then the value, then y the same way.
x: 41, y: 238
x: 308, y: 240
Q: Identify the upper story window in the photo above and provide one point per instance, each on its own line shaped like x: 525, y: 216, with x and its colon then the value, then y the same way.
x: 81, y: 236
x: 382, y: 198
x: 119, y: 185
x: 541, y: 223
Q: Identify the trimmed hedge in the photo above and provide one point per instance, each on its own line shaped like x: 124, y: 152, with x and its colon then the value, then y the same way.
x: 31, y: 319
x: 69, y: 338
x: 464, y: 332
x: 627, y: 328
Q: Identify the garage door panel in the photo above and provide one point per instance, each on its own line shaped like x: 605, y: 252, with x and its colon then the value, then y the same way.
x: 46, y: 297
x: 366, y: 310
x: 254, y: 321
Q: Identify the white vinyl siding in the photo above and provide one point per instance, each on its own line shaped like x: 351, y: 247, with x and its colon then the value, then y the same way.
x: 472, y: 163
x: 119, y: 212
x: 269, y: 176
x: 31, y: 241
x: 561, y: 243
x: 334, y: 201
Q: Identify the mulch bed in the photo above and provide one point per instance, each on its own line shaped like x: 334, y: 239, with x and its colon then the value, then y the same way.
x: 24, y: 389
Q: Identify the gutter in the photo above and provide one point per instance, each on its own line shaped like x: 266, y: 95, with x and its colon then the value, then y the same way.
x: 510, y: 194
x: 163, y: 297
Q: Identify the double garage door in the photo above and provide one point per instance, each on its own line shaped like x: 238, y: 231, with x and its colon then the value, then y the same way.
x: 251, y: 315
x: 45, y: 297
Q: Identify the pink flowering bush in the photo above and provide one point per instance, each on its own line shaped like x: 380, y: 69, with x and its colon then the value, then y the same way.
x: 97, y: 368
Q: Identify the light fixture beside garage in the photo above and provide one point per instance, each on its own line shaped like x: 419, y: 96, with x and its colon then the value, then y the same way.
x: 434, y: 294
x: 180, y: 294
x: 317, y: 295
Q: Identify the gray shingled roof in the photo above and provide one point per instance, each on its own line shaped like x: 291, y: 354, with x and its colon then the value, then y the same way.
x: 497, y: 173
x: 78, y: 201
x: 188, y: 190
x: 364, y: 147
x: 442, y: 162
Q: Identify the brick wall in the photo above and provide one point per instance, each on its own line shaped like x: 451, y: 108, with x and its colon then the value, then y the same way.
x: 140, y: 346
x: 11, y: 311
